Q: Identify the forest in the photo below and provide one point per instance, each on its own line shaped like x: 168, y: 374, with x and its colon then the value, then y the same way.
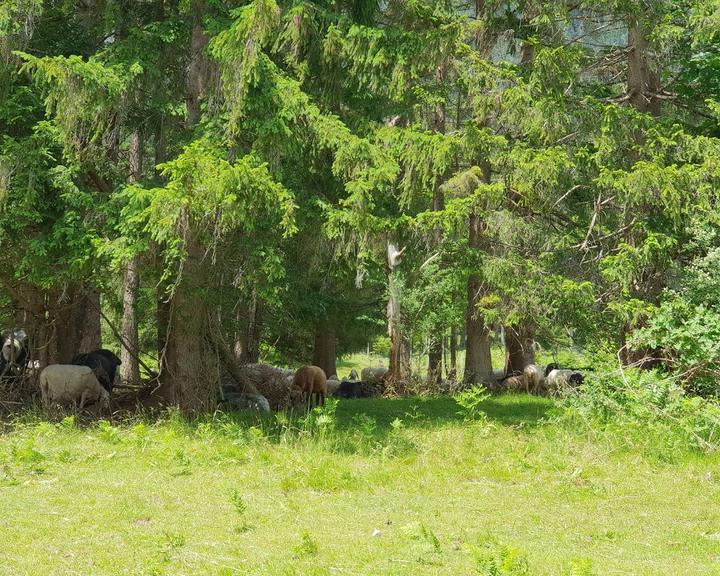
x: 462, y: 194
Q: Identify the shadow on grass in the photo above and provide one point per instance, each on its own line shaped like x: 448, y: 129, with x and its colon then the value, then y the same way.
x: 430, y: 411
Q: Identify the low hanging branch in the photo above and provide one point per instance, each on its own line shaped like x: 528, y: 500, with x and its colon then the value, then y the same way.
x: 150, y: 372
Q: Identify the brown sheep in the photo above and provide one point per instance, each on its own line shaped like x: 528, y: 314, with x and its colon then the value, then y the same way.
x: 311, y: 381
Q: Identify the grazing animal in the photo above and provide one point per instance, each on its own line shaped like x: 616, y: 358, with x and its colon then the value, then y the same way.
x: 69, y: 384
x: 312, y: 382
x: 373, y: 374
x: 349, y: 389
x: 103, y: 363
x: 560, y: 381
x: 550, y: 367
x: 332, y: 385
x: 535, y: 377
x: 14, y: 353
x: 353, y: 375
x: 517, y: 383
x: 243, y: 401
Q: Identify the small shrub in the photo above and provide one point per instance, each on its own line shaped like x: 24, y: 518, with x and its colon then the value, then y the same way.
x: 470, y: 402
x: 494, y: 559
x: 307, y: 546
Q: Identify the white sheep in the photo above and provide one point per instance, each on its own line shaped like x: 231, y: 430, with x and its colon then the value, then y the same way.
x: 373, y: 374
x: 559, y: 381
x: 67, y: 384
x: 535, y: 376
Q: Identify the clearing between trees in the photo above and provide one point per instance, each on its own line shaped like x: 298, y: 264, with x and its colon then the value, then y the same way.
x: 507, y: 485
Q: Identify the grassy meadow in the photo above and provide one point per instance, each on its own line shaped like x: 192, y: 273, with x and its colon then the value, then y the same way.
x: 408, y: 486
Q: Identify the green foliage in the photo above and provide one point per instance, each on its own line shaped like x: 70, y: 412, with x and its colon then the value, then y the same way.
x: 471, y: 402
x: 494, y: 559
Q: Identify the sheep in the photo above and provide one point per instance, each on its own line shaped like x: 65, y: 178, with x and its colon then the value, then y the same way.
x: 103, y: 363
x: 535, y: 376
x: 67, y: 384
x: 560, y: 381
x: 353, y: 375
x: 243, y: 401
x: 517, y: 383
x: 332, y: 385
x: 373, y: 374
x: 312, y: 382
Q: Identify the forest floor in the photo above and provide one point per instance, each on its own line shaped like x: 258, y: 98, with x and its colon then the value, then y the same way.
x: 375, y: 487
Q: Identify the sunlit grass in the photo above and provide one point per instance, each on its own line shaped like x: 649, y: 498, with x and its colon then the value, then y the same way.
x: 382, y: 486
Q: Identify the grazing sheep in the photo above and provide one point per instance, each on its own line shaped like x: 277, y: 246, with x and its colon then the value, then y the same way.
x: 535, y: 377
x: 517, y: 383
x: 243, y: 401
x: 348, y: 389
x: 68, y: 384
x: 550, y: 367
x: 332, y: 385
x: 353, y: 375
x: 560, y: 381
x: 312, y: 382
x: 103, y: 363
x: 373, y: 374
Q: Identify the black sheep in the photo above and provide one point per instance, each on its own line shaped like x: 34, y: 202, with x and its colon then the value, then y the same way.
x: 103, y: 363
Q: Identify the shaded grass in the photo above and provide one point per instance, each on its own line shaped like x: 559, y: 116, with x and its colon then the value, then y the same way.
x: 244, y: 494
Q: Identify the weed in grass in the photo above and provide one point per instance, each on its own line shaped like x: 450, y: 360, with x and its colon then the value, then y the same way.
x: 172, y: 541
x: 579, y: 567
x: 27, y: 454
x: 307, y: 546
x: 495, y: 559
x: 108, y: 433
x: 181, y: 464
x: 471, y: 401
x: 7, y: 478
x: 241, y: 509
x: 426, y: 543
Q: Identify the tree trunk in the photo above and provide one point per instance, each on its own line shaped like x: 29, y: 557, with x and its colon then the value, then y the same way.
x: 643, y: 87
x: 197, y: 70
x: 190, y: 365
x: 91, y: 331
x: 643, y: 80
x: 248, y: 332
x: 519, y: 351
x: 68, y: 323
x: 435, y: 350
x: 324, y: 351
x: 399, y: 342
x: 478, y: 357
x: 129, y: 369
x: 453, y: 349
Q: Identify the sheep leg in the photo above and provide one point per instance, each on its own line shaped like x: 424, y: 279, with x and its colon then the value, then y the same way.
x: 83, y: 399
x: 321, y: 395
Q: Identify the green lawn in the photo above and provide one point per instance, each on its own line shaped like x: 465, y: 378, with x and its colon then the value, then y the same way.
x: 277, y: 496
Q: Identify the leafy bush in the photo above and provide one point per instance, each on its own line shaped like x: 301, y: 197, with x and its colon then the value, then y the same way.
x: 644, y: 408
x: 471, y: 401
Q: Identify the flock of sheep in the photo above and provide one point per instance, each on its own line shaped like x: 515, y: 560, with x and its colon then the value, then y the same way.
x: 551, y: 380
x: 89, y: 380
